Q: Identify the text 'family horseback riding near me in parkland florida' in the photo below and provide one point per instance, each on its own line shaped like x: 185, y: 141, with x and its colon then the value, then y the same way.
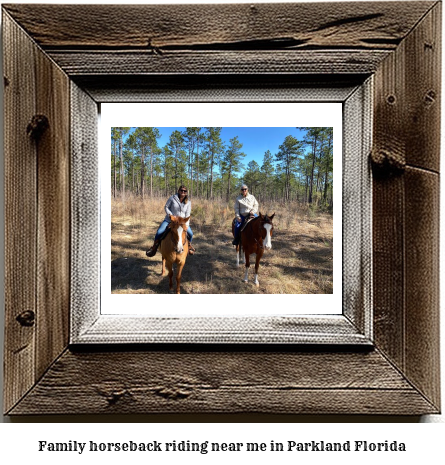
x: 207, y: 446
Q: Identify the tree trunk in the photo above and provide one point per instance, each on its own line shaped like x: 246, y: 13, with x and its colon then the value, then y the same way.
x: 197, y: 169
x: 312, y: 170
x: 114, y: 165
x: 151, y: 172
x: 228, y: 185
x: 122, y: 168
x: 211, y: 177
x: 142, y: 172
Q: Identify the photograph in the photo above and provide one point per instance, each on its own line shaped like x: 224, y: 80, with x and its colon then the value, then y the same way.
x: 233, y: 210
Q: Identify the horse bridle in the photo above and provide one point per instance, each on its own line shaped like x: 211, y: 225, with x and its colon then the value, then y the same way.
x: 262, y: 222
x: 171, y: 237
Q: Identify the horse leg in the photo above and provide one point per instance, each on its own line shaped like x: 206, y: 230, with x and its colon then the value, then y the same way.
x: 257, y: 265
x: 170, y: 275
x: 246, y: 275
x: 178, y: 278
x: 238, y: 253
x: 163, y: 266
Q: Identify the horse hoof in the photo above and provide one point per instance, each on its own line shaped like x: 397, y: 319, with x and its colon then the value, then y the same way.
x: 245, y: 280
x: 257, y: 284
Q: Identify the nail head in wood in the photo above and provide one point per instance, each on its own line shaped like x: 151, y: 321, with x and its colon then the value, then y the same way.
x: 26, y: 318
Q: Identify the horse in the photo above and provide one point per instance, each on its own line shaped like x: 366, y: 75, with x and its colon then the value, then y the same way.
x: 174, y: 249
x: 255, y: 238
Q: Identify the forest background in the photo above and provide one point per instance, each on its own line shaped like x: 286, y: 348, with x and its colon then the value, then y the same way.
x: 281, y: 164
x: 288, y: 169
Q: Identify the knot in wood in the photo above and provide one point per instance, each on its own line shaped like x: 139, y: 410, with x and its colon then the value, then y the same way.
x: 114, y: 397
x: 173, y: 393
x: 387, y: 162
x: 37, y: 126
x: 26, y: 318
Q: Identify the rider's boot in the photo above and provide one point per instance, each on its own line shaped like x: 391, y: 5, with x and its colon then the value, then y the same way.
x: 192, y: 250
x: 151, y: 252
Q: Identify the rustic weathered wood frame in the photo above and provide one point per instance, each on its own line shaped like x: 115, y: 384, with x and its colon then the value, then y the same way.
x: 67, y: 60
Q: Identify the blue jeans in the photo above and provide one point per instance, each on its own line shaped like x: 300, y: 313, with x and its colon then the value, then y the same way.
x: 239, y: 224
x: 163, y: 227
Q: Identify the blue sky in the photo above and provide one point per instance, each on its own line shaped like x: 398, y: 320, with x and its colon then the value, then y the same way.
x: 256, y: 141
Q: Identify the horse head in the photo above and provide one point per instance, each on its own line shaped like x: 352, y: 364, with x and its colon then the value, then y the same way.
x: 178, y: 227
x: 267, y: 230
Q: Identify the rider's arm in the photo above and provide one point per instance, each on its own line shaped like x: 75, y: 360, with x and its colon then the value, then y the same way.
x: 188, y: 212
x: 167, y: 206
x: 255, y: 206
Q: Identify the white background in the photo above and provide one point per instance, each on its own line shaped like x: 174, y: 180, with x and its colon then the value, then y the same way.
x: 18, y: 442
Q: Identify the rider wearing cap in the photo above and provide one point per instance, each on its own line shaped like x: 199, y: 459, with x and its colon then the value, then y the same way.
x: 246, y: 205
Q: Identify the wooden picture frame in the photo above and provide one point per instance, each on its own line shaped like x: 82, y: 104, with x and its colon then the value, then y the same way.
x: 56, y: 72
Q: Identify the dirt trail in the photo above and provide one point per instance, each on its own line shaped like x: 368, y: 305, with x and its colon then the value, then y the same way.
x: 300, y: 261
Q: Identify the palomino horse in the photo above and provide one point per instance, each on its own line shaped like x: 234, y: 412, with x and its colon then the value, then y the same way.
x: 255, y: 238
x: 174, y: 249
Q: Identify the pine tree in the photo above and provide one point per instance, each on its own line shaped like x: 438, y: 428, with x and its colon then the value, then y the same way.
x: 231, y: 162
x: 287, y: 157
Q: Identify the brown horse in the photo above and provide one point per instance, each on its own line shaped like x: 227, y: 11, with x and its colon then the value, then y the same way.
x: 255, y: 238
x: 174, y: 249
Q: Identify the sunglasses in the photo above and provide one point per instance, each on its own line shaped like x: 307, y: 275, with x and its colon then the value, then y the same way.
x: 243, y: 189
x: 182, y: 190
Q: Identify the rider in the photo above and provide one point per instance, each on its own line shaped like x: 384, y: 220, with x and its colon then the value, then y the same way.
x: 246, y: 205
x: 177, y: 205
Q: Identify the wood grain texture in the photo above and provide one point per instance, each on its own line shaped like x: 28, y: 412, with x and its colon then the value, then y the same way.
x: 388, y: 268
x: 158, y: 27
x: 20, y: 212
x: 223, y: 382
x: 85, y: 211
x: 357, y: 209
x: 219, y: 87
x: 78, y: 63
x: 422, y: 281
x: 37, y: 216
x: 53, y: 198
x: 423, y: 91
x: 400, y: 376
x: 406, y: 277
x: 112, y: 329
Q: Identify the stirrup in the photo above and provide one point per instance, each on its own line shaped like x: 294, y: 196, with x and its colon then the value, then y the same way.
x: 192, y: 250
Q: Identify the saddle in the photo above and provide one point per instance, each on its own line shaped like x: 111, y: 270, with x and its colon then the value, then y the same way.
x: 164, y: 234
x: 246, y: 222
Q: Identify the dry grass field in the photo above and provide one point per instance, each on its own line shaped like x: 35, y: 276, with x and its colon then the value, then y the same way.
x: 300, y: 261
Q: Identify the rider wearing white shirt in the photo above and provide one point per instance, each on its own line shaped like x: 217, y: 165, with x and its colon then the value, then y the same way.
x: 245, y: 205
